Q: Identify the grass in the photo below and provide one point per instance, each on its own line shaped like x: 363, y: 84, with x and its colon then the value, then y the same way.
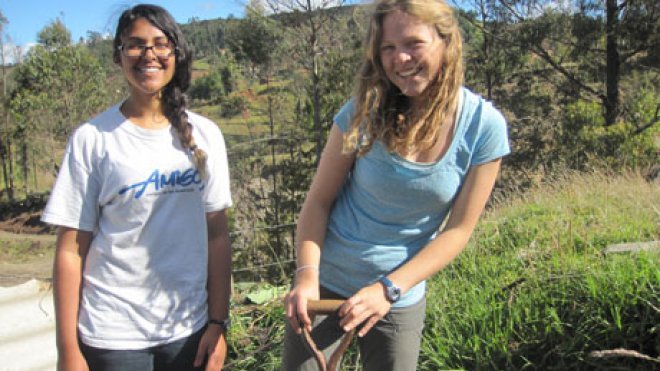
x: 24, y: 250
x: 533, y: 290
x: 255, y: 120
x: 201, y: 65
x: 15, y: 251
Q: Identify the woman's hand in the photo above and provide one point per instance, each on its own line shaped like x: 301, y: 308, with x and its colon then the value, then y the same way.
x: 369, y: 304
x: 295, y: 302
x: 72, y: 361
x: 213, y: 345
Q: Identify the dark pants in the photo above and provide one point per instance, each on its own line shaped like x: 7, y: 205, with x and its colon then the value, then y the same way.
x: 392, y: 344
x: 175, y: 356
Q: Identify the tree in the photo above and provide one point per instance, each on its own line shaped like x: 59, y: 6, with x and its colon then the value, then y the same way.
x: 484, y: 33
x: 254, y: 39
x: 101, y: 47
x: 54, y: 35
x: 629, y: 29
x: 314, y: 34
x: 207, y: 37
x: 571, y: 78
x: 5, y: 141
x: 220, y: 81
x: 58, y: 86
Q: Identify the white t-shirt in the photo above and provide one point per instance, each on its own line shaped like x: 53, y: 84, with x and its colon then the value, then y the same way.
x: 144, y: 279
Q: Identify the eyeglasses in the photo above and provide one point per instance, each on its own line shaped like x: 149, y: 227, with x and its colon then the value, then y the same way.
x: 138, y: 50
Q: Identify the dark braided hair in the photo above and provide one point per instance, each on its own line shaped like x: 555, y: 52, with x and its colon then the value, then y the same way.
x: 173, y: 99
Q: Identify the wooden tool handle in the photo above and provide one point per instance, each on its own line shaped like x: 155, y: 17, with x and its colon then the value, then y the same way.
x: 325, y: 306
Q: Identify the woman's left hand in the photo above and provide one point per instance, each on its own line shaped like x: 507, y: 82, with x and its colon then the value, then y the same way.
x: 368, y: 305
x: 212, y: 346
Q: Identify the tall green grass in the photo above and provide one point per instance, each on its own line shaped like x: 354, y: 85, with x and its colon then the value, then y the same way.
x: 533, y: 290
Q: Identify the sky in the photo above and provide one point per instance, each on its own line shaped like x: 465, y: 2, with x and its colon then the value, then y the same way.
x: 27, y: 17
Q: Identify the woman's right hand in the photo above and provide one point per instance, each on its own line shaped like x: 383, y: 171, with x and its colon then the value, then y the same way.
x: 72, y: 361
x: 295, y: 302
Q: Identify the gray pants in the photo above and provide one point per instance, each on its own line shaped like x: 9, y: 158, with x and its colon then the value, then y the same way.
x: 392, y: 344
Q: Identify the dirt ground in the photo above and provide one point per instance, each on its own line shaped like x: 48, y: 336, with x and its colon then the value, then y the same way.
x: 26, y: 249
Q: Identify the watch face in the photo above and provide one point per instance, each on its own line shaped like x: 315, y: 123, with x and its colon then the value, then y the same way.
x: 394, y: 293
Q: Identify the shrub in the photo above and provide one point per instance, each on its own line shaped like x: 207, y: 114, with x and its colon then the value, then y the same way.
x: 232, y: 105
x: 585, y: 141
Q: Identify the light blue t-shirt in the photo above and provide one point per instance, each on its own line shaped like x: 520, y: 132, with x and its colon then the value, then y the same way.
x: 389, y: 208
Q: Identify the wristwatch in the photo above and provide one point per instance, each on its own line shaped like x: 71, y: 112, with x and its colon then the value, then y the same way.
x: 392, y: 291
x: 224, y: 324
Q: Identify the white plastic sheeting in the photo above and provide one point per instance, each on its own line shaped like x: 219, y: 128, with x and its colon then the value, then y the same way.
x: 27, y: 327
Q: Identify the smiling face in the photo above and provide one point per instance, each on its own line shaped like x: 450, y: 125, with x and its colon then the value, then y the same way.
x: 146, y: 74
x: 411, y: 53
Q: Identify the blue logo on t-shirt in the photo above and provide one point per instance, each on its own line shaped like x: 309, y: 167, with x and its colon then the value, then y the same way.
x: 161, y: 181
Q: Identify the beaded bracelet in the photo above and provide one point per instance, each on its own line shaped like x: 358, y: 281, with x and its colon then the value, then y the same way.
x: 310, y: 266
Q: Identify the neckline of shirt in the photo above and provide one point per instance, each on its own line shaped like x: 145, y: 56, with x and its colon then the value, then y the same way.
x: 457, y: 121
x: 136, y: 130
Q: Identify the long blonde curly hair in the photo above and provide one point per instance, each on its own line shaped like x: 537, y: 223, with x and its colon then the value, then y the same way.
x: 382, y: 112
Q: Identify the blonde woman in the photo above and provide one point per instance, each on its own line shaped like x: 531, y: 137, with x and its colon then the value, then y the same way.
x: 413, y: 149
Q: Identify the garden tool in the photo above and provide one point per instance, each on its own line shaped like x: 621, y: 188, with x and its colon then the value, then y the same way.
x: 326, y: 307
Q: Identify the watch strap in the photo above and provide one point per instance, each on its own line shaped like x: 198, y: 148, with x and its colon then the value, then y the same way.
x: 392, y: 292
x: 224, y: 324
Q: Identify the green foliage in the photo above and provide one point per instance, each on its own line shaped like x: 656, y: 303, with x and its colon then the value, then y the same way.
x: 485, y: 33
x: 55, y: 35
x: 209, y: 88
x: 56, y: 90
x: 551, y: 72
x: 101, y: 47
x: 3, y: 22
x: 533, y: 290
x: 57, y: 87
x: 254, y: 39
x: 221, y: 79
x: 639, y: 30
x: 586, y: 141
x: 337, y: 79
x: 257, y: 335
x: 201, y: 65
x: 207, y: 37
x: 24, y: 250
x: 232, y: 105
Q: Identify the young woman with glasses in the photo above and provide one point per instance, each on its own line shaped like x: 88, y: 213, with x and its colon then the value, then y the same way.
x: 408, y: 167
x: 143, y: 261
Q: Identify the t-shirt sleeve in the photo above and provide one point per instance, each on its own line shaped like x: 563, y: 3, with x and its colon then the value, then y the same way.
x: 217, y: 195
x: 73, y: 201
x: 343, y: 118
x: 493, y: 140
